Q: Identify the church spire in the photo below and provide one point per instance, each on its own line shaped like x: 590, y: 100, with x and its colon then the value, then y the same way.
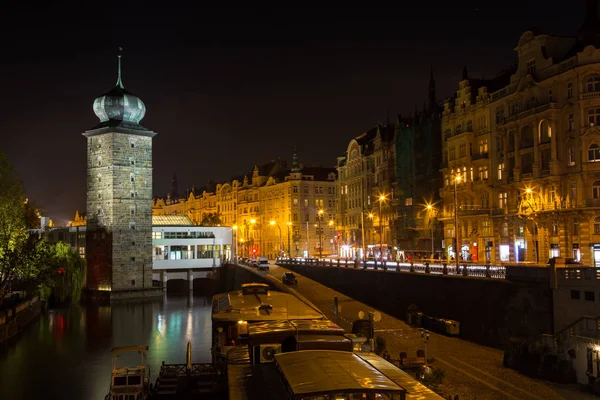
x: 119, y: 81
x: 295, y: 161
x: 174, y: 191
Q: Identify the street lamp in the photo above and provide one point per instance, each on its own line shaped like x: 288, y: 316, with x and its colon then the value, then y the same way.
x: 330, y: 223
x: 234, y: 243
x: 430, y: 209
x: 381, y: 200
x: 457, y: 179
x: 273, y: 223
x: 289, y: 224
x: 319, y: 215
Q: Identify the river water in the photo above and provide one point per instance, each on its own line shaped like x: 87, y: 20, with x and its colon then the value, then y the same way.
x: 65, y: 354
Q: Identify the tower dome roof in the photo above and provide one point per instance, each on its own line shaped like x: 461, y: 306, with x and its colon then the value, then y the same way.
x: 118, y: 106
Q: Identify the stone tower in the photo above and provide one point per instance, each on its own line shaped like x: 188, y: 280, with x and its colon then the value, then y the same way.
x: 119, y: 196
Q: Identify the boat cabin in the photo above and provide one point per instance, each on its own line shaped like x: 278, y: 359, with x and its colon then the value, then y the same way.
x: 129, y: 382
x: 232, y: 312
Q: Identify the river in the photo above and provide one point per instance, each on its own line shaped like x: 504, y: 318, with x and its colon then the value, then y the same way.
x: 66, y: 353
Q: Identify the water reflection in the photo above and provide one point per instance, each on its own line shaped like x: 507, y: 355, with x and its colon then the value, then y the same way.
x: 66, y: 353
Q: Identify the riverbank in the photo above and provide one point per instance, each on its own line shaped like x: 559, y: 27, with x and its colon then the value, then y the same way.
x: 15, y: 318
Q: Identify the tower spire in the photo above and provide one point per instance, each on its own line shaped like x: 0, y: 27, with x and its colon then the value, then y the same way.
x: 295, y: 161
x: 119, y: 81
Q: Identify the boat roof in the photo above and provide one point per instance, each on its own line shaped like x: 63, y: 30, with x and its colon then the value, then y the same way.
x: 128, y: 349
x: 249, y: 382
x: 241, y: 305
x: 414, y: 389
x: 330, y: 371
x: 302, y: 326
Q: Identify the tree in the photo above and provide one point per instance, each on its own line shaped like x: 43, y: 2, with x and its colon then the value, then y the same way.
x: 211, y: 219
x: 65, y: 274
x: 32, y: 215
x: 24, y: 259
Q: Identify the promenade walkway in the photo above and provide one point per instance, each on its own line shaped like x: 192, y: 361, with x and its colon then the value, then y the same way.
x: 471, y: 371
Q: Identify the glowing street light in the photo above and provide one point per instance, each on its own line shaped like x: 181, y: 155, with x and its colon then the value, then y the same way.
x: 457, y: 179
x: 273, y: 223
x: 381, y: 199
x: 319, y: 215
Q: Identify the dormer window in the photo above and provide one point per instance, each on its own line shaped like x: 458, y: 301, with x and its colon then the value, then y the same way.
x: 593, y: 84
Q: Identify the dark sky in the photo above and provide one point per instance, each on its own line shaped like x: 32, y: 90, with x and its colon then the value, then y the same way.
x: 230, y: 88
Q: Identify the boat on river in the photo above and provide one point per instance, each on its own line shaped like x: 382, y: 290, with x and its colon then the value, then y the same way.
x: 129, y: 382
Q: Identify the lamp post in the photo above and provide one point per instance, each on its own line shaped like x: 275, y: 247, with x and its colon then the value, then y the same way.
x: 319, y: 215
x: 273, y: 223
x: 430, y: 208
x: 234, y: 243
x: 289, y: 224
x: 330, y: 223
x: 457, y: 179
x: 381, y: 200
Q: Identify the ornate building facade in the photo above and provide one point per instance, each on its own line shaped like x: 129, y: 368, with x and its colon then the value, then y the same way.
x: 368, y: 200
x: 119, y: 195
x: 276, y: 211
x: 418, y: 145
x: 528, y: 168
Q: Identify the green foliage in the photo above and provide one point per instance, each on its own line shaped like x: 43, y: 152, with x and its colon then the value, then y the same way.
x: 67, y: 273
x: 32, y: 214
x: 211, y: 219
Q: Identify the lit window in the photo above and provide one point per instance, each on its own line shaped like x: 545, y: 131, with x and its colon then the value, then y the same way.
x: 594, y: 153
x: 571, y: 157
x: 597, y: 226
x: 500, y: 168
x: 596, y: 190
x: 471, y: 173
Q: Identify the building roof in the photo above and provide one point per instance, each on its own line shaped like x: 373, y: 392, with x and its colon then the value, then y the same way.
x: 254, y: 307
x: 171, y: 220
x: 330, y: 371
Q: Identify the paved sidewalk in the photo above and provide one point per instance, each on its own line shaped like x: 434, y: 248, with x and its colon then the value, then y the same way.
x: 471, y: 371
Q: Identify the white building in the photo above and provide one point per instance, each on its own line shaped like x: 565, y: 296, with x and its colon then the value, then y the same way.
x: 181, y: 250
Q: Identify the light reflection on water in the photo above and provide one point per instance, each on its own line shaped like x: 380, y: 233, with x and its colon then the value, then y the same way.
x: 66, y: 353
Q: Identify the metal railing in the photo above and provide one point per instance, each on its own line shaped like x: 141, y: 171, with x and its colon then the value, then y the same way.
x: 434, y: 267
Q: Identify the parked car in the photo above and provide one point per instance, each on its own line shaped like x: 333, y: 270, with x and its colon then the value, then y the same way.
x: 263, y: 264
x: 289, y: 278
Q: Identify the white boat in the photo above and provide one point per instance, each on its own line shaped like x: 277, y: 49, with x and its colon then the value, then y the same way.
x: 129, y: 382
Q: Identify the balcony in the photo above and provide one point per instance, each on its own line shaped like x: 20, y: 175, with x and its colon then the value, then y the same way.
x: 479, y: 156
x: 589, y: 95
x: 467, y: 213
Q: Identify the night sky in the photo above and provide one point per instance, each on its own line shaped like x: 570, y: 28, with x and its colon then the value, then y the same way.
x: 230, y: 88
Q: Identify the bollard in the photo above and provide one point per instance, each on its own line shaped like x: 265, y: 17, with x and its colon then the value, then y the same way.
x: 427, y: 269
x: 412, y: 267
x: 445, y: 269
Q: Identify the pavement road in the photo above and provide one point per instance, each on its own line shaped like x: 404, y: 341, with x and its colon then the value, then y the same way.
x: 471, y: 371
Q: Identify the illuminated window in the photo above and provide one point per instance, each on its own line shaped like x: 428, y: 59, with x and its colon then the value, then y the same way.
x: 597, y: 226
x: 596, y: 190
x: 500, y: 168
x: 594, y: 153
x: 594, y: 116
x: 571, y: 157
x: 471, y: 173
x: 156, y: 235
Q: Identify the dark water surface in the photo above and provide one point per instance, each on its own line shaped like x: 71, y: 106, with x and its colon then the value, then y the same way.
x: 66, y: 353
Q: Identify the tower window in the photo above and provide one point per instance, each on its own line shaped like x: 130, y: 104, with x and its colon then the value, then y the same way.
x: 132, y: 195
x: 132, y: 226
x: 132, y: 145
x: 132, y: 177
x: 132, y: 258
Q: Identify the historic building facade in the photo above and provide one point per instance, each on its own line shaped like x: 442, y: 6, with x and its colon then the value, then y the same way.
x: 528, y: 186
x: 418, y: 155
x: 119, y: 195
x: 276, y: 211
x: 368, y: 195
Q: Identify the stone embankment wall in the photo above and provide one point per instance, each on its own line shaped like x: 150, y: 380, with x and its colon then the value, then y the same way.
x: 14, y: 319
x: 490, y: 311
